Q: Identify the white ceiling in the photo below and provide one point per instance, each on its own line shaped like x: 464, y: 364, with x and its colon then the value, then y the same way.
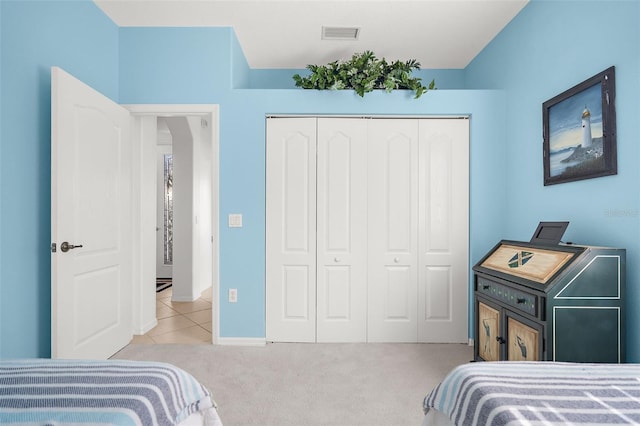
x: 440, y: 34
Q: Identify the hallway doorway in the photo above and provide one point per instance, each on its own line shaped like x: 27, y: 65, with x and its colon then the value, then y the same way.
x: 191, y: 301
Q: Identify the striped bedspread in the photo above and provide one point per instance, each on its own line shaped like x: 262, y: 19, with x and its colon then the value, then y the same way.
x: 97, y: 392
x: 539, y: 393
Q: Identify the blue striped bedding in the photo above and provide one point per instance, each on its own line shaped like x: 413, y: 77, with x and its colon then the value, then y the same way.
x: 549, y: 393
x: 116, y: 392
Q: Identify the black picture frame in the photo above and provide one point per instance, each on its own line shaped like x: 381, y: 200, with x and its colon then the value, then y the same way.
x: 549, y: 233
x: 579, y: 131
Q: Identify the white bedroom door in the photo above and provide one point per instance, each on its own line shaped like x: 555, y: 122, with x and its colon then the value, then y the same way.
x: 342, y: 230
x: 393, y: 230
x: 90, y: 221
x: 291, y: 230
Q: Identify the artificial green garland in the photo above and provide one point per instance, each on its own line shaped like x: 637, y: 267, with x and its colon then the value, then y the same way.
x: 364, y: 73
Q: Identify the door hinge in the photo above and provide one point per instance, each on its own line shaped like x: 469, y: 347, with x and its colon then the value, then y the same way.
x: 53, y: 247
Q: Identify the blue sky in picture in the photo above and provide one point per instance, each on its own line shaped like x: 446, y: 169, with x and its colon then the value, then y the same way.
x: 565, y: 118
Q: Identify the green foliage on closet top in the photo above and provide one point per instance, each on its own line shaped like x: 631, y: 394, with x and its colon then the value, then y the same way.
x: 364, y: 73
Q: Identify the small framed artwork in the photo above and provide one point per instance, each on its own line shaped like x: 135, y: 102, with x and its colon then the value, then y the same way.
x: 579, y: 131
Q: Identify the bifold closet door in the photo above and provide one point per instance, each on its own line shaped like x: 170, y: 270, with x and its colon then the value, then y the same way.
x: 367, y: 230
x: 443, y: 276
x: 291, y: 230
x: 342, y: 230
x: 393, y: 230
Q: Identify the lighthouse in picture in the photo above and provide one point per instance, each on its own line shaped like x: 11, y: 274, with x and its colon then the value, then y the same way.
x: 586, y: 127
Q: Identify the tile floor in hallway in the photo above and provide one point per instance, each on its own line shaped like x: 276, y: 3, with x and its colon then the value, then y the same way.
x: 180, y: 322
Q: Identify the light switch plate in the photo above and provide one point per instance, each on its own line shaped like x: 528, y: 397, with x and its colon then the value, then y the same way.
x: 235, y: 220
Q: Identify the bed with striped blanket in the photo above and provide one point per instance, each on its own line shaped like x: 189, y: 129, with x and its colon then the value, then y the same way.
x: 113, y: 392
x: 536, y: 393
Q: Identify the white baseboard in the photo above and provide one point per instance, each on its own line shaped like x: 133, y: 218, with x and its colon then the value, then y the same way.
x: 471, y: 342
x: 242, y: 341
x: 183, y: 299
x: 146, y: 328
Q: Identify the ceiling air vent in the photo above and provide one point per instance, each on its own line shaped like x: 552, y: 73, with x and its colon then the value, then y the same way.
x: 340, y: 33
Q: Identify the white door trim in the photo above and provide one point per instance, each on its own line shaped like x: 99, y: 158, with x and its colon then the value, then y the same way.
x: 212, y: 113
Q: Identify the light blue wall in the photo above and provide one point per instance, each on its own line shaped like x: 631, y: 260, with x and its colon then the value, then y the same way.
x: 170, y: 65
x: 242, y: 147
x: 549, y: 47
x: 36, y: 35
x: 166, y: 65
x: 243, y: 188
x: 282, y: 78
x: 240, y: 71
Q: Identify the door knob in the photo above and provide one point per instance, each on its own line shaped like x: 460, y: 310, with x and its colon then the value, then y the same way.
x: 396, y: 259
x: 65, y: 247
x: 336, y: 259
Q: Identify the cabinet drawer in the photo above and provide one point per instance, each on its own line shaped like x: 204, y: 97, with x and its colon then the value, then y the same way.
x: 518, y: 299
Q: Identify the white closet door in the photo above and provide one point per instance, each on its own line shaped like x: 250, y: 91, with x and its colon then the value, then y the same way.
x: 393, y: 230
x: 443, y: 229
x: 342, y: 230
x: 291, y: 230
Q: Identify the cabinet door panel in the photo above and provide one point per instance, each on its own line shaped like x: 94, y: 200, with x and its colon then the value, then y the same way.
x: 587, y: 334
x: 488, y: 332
x: 524, y: 339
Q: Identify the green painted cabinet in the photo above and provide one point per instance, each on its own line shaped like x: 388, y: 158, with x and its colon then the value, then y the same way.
x: 550, y: 303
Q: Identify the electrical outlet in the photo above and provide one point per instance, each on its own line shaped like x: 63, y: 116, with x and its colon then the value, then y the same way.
x: 233, y: 295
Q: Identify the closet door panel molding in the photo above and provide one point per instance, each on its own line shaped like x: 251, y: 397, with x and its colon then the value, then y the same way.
x: 393, y: 230
x: 291, y: 230
x: 443, y: 230
x: 341, y: 230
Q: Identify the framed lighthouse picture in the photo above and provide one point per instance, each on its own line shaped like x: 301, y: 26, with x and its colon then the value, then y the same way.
x: 579, y: 131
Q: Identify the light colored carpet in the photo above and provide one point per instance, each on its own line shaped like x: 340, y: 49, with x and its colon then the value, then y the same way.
x: 290, y: 384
